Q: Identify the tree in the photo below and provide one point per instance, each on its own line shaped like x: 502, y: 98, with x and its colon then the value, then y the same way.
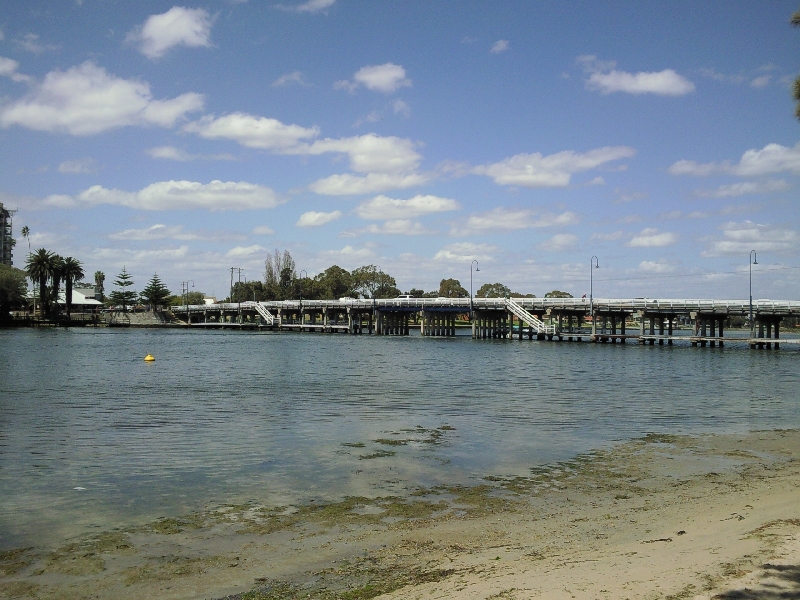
x: 371, y: 282
x: 451, y: 288
x: 13, y: 288
x: 123, y: 296
x: 26, y: 232
x: 415, y: 293
x: 191, y: 298
x: 155, y: 293
x: 493, y: 290
x: 99, y: 280
x: 558, y: 294
x: 38, y: 269
x: 72, y: 271
x: 56, y: 276
x: 335, y: 282
x: 795, y: 22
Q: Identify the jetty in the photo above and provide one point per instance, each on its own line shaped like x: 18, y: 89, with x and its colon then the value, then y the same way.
x: 551, y: 319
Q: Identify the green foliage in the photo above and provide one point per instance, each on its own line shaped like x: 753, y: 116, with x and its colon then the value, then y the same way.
x: 38, y: 267
x: 493, y: 290
x: 191, y: 298
x: 13, y: 287
x: 371, y: 282
x: 123, y: 296
x: 155, y: 293
x: 558, y: 294
x: 72, y: 271
x: 451, y: 288
x: 99, y: 281
x: 335, y: 282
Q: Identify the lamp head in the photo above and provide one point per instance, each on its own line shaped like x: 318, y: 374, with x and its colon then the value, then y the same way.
x: 477, y: 269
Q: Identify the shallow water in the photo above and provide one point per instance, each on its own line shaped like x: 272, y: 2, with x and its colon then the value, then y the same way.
x: 91, y: 436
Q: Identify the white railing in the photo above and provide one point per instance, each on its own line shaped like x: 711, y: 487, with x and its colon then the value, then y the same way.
x: 268, y: 317
x: 532, y: 320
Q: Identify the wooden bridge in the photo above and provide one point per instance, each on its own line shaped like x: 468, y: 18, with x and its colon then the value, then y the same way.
x: 578, y: 319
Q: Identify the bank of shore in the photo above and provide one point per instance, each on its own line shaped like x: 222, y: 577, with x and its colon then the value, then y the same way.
x: 660, y: 517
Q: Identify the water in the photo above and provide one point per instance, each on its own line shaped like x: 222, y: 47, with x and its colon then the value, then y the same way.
x: 91, y: 436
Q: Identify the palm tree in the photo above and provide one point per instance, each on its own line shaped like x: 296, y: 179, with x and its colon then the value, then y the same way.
x: 99, y: 280
x: 72, y: 272
x: 26, y: 233
x: 56, y: 276
x: 38, y: 267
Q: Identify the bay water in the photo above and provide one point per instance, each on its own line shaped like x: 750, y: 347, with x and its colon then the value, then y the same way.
x: 93, y: 438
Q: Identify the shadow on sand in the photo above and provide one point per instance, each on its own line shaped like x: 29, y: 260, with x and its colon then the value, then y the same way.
x: 777, y: 582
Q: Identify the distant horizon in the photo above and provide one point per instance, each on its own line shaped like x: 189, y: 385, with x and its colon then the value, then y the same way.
x: 185, y: 140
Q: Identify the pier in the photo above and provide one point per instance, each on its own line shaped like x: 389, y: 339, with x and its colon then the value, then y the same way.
x: 550, y: 319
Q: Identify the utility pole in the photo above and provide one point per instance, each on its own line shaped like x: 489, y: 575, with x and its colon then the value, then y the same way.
x: 239, y: 270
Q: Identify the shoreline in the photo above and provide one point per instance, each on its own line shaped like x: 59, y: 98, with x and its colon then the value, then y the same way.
x: 657, y: 517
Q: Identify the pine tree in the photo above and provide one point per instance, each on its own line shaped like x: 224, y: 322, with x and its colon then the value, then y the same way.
x: 156, y: 293
x: 123, y: 296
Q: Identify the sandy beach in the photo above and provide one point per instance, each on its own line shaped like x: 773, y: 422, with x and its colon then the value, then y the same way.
x: 710, y: 516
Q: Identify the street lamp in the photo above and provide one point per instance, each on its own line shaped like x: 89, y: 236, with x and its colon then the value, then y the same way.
x: 753, y: 261
x: 301, y: 295
x: 593, y: 264
x: 470, y: 284
x: 185, y: 292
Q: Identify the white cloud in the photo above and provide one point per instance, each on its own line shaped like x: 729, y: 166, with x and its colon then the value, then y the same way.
x: 559, y: 243
x: 86, y: 100
x: 466, y: 252
x: 9, y: 68
x: 651, y: 238
x: 353, y: 185
x: 79, y: 166
x: 761, y: 81
x: 607, y: 237
x: 772, y: 158
x: 31, y: 43
x: 315, y: 219
x: 397, y: 227
x: 504, y: 219
x: 178, y: 26
x: 348, y: 253
x: 176, y: 195
x: 386, y: 78
x: 263, y: 230
x: 155, y: 232
x: 242, y: 251
x: 649, y: 266
x: 253, y: 132
x: 603, y: 77
x: 738, y: 239
x: 172, y: 153
x: 382, y: 208
x: 370, y: 153
x: 554, y: 170
x: 499, y: 46
x: 310, y: 6
x: 716, y: 76
x: 294, y: 78
x: 622, y: 196
x: 401, y: 108
x: 745, y: 188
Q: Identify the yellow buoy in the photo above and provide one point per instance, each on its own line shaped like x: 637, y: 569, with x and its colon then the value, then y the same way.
x: 149, y: 358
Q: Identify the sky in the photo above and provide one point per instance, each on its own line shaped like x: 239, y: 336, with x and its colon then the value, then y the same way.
x: 529, y: 136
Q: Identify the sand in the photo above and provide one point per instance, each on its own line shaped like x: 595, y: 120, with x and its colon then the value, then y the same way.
x: 712, y: 516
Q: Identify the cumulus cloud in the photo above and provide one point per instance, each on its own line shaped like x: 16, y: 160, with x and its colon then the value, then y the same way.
x: 78, y: 167
x: 9, y: 68
x: 263, y: 230
x: 745, y: 188
x: 504, y: 219
x: 310, y: 6
x: 660, y: 266
x: 176, y: 195
x: 243, y: 251
x: 761, y: 81
x: 603, y: 77
x: 607, y: 237
x: 559, y: 243
x: 31, y: 43
x: 172, y: 153
x: 315, y: 219
x: 554, y: 170
x: 397, y: 227
x: 294, y: 78
x: 772, y: 158
x: 386, y: 78
x: 252, y: 131
x: 651, y: 238
x: 383, y: 208
x: 466, y: 252
x: 499, y: 46
x: 85, y: 100
x: 369, y: 153
x: 347, y: 184
x: 178, y: 26
x: 347, y: 253
x: 738, y: 239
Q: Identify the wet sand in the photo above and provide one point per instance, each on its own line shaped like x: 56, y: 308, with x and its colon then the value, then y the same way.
x: 661, y: 517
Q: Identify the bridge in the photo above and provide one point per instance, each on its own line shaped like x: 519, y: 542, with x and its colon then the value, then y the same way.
x: 570, y: 319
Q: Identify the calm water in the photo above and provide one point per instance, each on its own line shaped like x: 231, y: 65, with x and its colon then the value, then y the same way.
x: 92, y: 436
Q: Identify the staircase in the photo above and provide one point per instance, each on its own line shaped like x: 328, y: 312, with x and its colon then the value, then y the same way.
x: 523, y: 315
x: 268, y: 317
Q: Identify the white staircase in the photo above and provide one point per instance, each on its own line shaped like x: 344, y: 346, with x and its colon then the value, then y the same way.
x: 532, y: 320
x: 268, y: 317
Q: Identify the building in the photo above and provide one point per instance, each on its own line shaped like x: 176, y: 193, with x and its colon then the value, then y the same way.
x: 6, y: 241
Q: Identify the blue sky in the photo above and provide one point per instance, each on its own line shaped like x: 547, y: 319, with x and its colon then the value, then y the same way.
x: 187, y: 139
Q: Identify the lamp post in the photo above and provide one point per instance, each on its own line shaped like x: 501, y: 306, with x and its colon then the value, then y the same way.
x: 753, y: 261
x: 185, y: 292
x: 301, y: 297
x: 593, y: 264
x: 470, y: 285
